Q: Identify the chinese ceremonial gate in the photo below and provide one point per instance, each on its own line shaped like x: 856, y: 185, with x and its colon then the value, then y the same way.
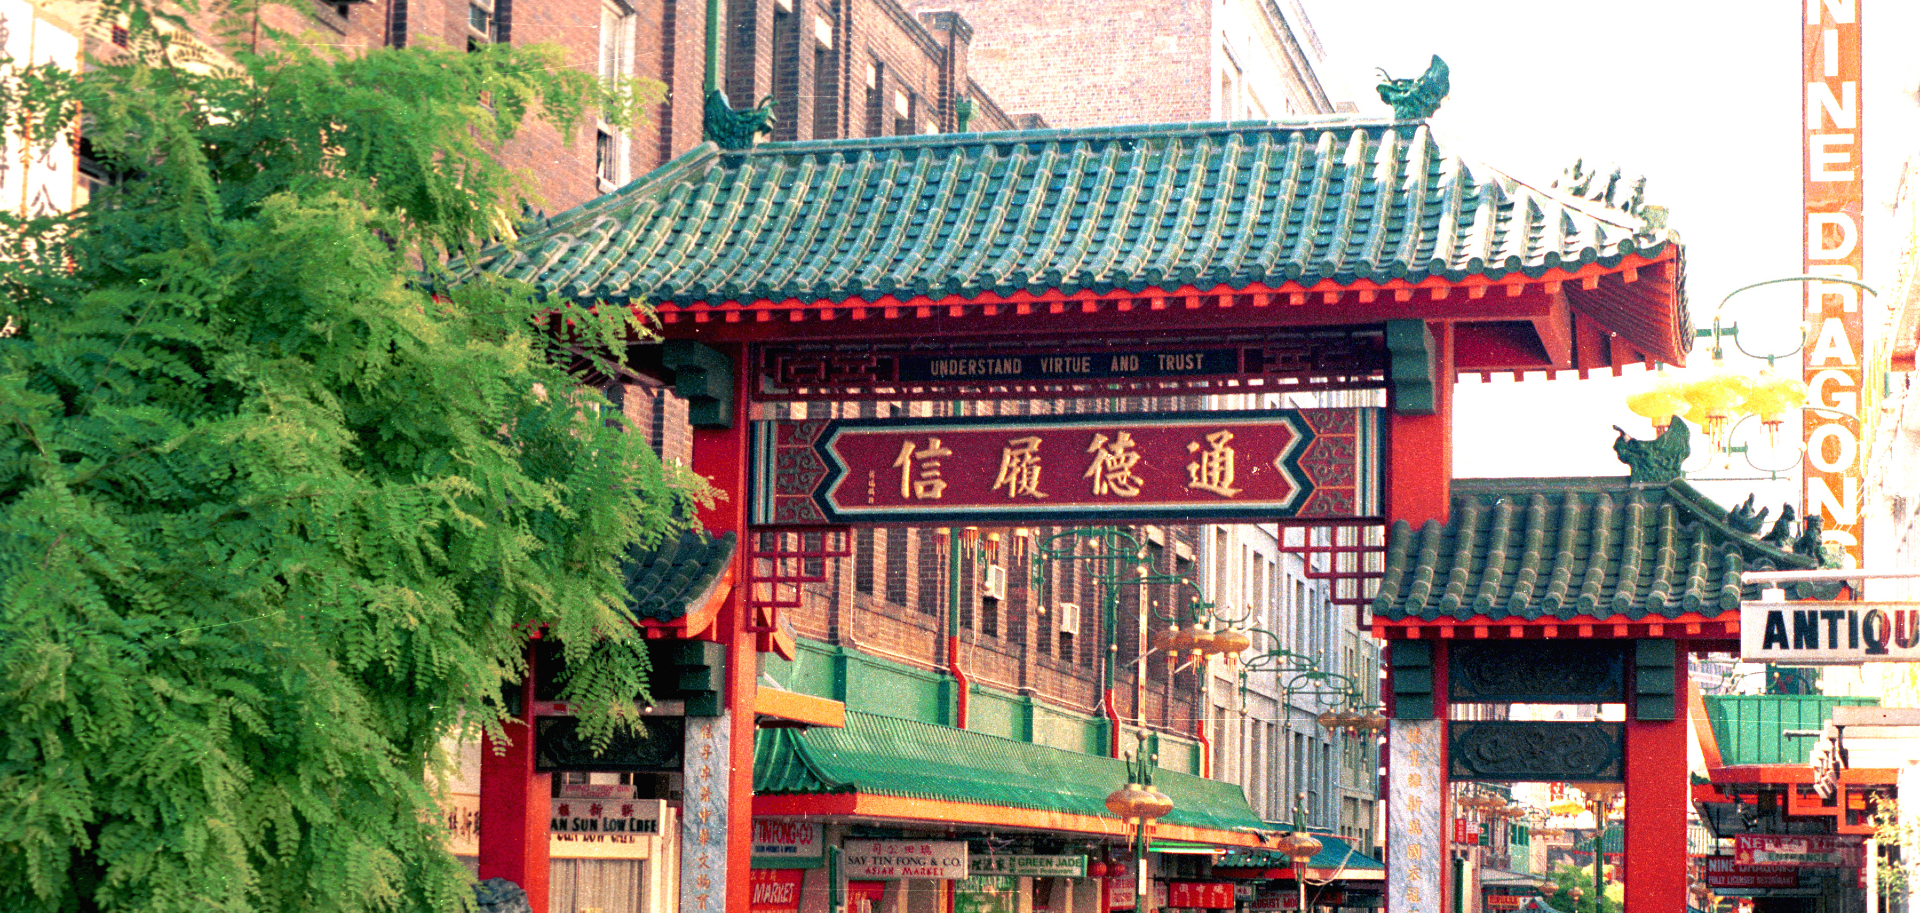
x: 1077, y: 266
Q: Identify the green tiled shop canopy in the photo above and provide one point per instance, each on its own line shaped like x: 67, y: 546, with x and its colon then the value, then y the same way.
x: 887, y: 756
x: 1114, y: 210
x: 1752, y: 728
x: 1523, y: 549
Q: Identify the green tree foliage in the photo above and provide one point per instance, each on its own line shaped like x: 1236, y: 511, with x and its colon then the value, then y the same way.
x: 274, y: 521
x: 1567, y: 877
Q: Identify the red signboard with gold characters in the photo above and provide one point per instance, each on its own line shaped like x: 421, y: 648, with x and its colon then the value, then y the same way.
x: 1200, y: 895
x: 1261, y: 465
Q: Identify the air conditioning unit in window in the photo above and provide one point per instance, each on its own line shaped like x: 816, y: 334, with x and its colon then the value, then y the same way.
x: 995, y: 584
x: 1069, y: 615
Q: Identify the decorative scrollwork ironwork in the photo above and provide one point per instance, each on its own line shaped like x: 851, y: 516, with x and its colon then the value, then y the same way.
x: 1538, y: 672
x: 1517, y: 751
x: 558, y: 746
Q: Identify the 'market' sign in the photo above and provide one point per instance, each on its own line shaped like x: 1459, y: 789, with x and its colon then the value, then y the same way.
x: 1829, y: 633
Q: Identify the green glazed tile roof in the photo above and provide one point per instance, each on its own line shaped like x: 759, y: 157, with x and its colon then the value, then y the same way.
x: 1335, y: 852
x: 1613, y: 841
x: 678, y: 574
x: 886, y: 756
x: 1563, y: 548
x: 1107, y: 210
x: 1751, y: 728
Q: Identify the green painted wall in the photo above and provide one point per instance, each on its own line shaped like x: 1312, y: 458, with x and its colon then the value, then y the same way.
x: 875, y: 685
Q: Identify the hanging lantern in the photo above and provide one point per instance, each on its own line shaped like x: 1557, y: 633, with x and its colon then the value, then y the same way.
x: 1718, y: 397
x: 1137, y: 803
x: 1300, y: 847
x: 1773, y: 396
x: 1660, y: 403
x: 1232, y: 642
x: 1171, y: 641
x: 1199, y: 639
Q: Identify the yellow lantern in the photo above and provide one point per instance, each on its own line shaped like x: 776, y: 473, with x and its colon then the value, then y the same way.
x: 1718, y: 396
x: 1773, y: 396
x: 1659, y: 403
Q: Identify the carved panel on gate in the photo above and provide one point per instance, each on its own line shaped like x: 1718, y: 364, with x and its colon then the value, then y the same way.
x: 1517, y: 751
x: 558, y: 745
x: 1537, y: 672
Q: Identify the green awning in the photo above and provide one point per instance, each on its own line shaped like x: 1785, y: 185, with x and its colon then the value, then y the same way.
x: 886, y: 756
x: 1335, y: 853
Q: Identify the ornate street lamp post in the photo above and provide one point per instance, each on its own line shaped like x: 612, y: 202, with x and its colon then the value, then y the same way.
x: 1300, y: 847
x: 1139, y: 804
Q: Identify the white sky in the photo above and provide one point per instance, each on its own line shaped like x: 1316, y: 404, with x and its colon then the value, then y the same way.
x: 1701, y: 96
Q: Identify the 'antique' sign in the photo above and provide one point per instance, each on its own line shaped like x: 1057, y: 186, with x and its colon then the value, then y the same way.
x: 1834, y: 851
x: 1265, y: 465
x: 1829, y: 633
x: 895, y: 859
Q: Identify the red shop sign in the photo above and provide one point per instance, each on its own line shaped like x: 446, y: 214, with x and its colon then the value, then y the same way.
x: 1211, y: 895
x: 775, y: 890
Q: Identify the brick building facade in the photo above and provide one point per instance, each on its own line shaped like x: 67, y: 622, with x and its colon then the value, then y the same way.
x: 834, y: 68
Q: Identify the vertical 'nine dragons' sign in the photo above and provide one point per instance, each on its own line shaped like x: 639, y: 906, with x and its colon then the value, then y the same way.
x: 1832, y: 201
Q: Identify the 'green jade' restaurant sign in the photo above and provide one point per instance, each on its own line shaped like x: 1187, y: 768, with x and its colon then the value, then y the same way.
x: 1029, y: 866
x: 1250, y: 465
x: 1829, y: 633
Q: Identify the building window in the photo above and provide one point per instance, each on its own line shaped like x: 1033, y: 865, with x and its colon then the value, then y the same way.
x: 613, y: 148
x: 483, y: 23
x: 826, y: 82
x: 876, y: 99
x: 786, y: 75
x: 863, y: 560
x: 903, y: 113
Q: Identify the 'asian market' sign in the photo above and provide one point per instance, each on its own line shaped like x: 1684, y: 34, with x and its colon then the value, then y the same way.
x: 1244, y: 465
x: 775, y: 890
x: 894, y: 859
x: 1833, y: 195
x: 1829, y: 633
x: 1834, y: 851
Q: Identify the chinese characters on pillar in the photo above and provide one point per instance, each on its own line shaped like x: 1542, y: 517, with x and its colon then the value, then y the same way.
x: 1414, y: 836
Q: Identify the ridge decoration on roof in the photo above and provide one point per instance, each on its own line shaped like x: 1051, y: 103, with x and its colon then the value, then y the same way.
x: 1596, y: 551
x: 1300, y: 211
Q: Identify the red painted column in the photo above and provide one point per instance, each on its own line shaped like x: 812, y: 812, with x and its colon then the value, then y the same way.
x: 1443, y: 841
x: 516, y: 807
x: 1420, y: 447
x: 721, y: 455
x: 1656, y: 850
